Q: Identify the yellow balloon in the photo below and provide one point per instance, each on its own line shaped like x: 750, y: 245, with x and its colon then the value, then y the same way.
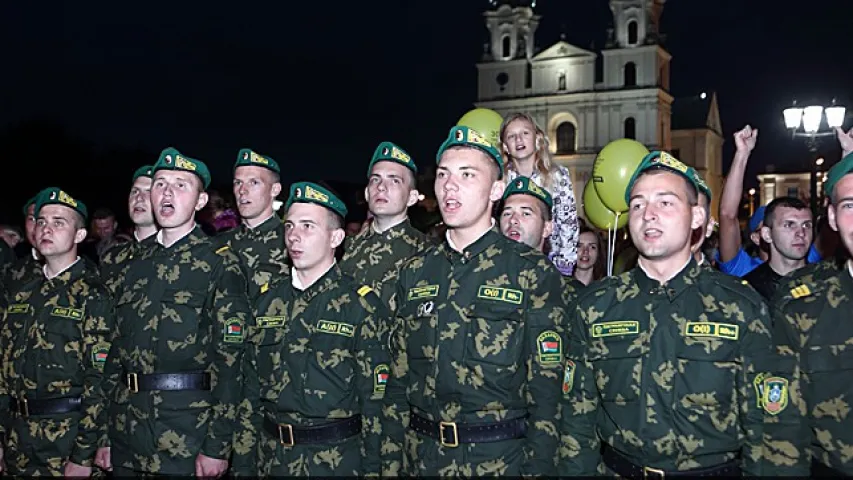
x: 487, y: 122
x: 597, y: 213
x: 613, y: 168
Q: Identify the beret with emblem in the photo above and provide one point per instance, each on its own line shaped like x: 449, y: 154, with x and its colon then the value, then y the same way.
x: 143, y: 171
x: 248, y: 158
x: 31, y: 201
x: 389, y: 152
x: 835, y: 173
x: 526, y: 186
x: 56, y: 196
x: 307, y: 192
x: 171, y: 159
x: 701, y: 185
x: 664, y: 160
x: 461, y: 136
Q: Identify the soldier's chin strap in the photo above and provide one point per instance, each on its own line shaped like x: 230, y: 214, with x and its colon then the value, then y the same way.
x: 611, y: 242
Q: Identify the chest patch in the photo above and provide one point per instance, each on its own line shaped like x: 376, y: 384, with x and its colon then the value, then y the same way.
x: 336, y: 328
x: 65, y: 312
x: 501, y: 294
x: 611, y: 329
x: 18, y: 308
x: 711, y: 329
x: 269, y: 322
x: 427, y: 291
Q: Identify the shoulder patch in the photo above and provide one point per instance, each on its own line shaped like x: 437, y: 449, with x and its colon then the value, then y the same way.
x: 550, y: 347
x: 364, y: 290
x: 380, y: 377
x: 233, y: 331
x: 774, y: 397
x: 99, y: 355
x: 800, y: 291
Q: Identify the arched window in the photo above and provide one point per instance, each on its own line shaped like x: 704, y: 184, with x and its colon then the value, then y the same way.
x: 505, y: 47
x: 561, y: 81
x: 630, y: 128
x: 566, y: 134
x: 632, y: 32
x: 630, y: 74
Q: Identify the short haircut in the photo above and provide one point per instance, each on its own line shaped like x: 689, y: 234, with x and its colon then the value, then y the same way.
x: 789, y: 202
x: 494, y: 169
x: 103, y: 213
x: 692, y: 193
x: 545, y: 212
x: 335, y: 220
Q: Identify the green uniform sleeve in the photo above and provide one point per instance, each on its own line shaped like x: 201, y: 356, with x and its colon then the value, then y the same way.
x: 374, y: 364
x: 229, y: 311
x: 579, y: 443
x: 395, y: 413
x: 5, y: 357
x: 545, y: 315
x: 249, y: 420
x: 756, y: 351
x: 97, y: 329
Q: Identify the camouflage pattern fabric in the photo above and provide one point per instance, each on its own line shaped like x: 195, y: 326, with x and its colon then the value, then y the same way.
x: 477, y: 339
x: 665, y: 374
x: 55, y: 341
x: 260, y: 250
x: 314, y: 357
x: 375, y: 259
x: 116, y: 261
x: 21, y: 272
x: 813, y: 332
x: 181, y: 309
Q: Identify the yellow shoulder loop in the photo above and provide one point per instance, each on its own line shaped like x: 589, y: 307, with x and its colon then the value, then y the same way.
x: 222, y: 249
x: 364, y: 290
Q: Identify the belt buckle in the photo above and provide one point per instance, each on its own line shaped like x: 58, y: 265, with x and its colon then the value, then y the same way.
x: 649, y: 472
x: 23, y: 407
x: 132, y: 381
x: 285, y: 427
x: 441, y: 428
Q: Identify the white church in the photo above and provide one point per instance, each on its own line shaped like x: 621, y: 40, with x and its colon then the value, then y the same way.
x: 580, y: 113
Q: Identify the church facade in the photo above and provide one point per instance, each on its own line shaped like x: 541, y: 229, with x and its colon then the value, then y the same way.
x: 581, y: 113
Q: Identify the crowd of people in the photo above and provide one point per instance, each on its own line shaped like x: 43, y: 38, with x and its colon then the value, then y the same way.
x: 267, y: 345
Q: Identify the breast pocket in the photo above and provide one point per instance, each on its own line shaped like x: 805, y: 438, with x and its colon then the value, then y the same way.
x: 496, y: 334
x: 420, y: 318
x: 63, y: 339
x: 331, y: 360
x: 180, y: 326
x: 617, y: 351
x: 706, y: 367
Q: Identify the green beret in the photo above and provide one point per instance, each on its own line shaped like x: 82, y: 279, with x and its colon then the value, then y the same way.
x: 667, y: 161
x: 307, y: 192
x: 55, y: 196
x: 31, y: 201
x: 248, y: 158
x: 701, y: 185
x: 835, y: 173
x: 171, y: 159
x: 524, y: 185
x: 461, y: 136
x: 144, y: 171
x: 387, y: 151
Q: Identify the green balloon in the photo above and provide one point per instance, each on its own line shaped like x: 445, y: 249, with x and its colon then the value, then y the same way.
x: 487, y: 122
x: 613, y: 169
x: 597, y: 213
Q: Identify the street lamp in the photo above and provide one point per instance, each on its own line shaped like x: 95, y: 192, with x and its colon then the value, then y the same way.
x: 811, y: 119
x: 751, y: 201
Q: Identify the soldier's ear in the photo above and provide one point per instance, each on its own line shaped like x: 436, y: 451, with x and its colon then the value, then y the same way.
x: 497, y: 190
x: 80, y: 235
x: 414, y: 196
x: 699, y: 218
x: 765, y: 234
x: 337, y: 239
x: 276, y: 189
x: 547, y: 229
x: 830, y: 214
x: 202, y: 201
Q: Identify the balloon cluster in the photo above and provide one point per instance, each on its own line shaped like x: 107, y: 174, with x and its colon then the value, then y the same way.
x: 604, y: 197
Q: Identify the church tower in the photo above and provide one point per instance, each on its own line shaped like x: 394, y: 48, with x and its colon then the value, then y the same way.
x: 512, y: 28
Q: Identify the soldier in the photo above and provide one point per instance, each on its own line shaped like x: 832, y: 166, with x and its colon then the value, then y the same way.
x: 526, y: 213
x: 814, y: 331
x: 661, y: 361
x: 116, y: 260
x: 259, y: 241
x: 173, y: 380
x: 317, y: 356
x: 29, y: 264
x: 476, y: 347
x: 55, y: 338
x: 375, y: 255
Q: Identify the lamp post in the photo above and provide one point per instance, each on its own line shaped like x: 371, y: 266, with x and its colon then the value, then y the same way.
x: 751, y: 201
x: 811, y: 119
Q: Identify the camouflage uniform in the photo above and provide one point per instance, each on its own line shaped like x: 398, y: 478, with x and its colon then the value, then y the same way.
x: 375, y: 258
x: 315, y: 358
x: 664, y: 375
x: 55, y: 338
x: 21, y: 272
x: 116, y: 261
x: 490, y: 319
x: 260, y: 250
x: 180, y: 310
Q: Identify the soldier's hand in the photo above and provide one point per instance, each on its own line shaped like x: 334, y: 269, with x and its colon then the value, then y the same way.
x: 206, y: 467
x: 745, y: 139
x: 77, y: 471
x: 103, y: 459
x: 845, y: 139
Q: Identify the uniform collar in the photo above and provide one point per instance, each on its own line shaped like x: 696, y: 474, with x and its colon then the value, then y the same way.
x: 453, y: 246
x: 191, y: 238
x: 673, y: 287
x: 64, y: 275
x: 486, y: 240
x: 297, y: 284
x: 265, y: 226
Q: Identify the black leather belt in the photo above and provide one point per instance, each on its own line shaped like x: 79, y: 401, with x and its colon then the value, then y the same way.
x: 821, y: 470
x: 451, y: 434
x: 139, y: 382
x: 626, y: 469
x: 290, y: 435
x: 50, y: 406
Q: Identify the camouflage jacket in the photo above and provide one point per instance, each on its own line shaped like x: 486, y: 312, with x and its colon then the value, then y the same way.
x: 261, y: 251
x: 813, y: 330
x: 116, y: 261
x: 375, y: 258
x: 477, y: 339
x: 55, y: 341
x: 21, y: 272
x: 181, y: 309
x: 316, y: 356
x: 664, y: 374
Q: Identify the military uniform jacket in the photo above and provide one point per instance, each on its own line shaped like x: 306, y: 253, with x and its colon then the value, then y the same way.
x: 476, y: 340
x: 55, y: 341
x: 22, y: 271
x: 116, y: 261
x: 375, y: 258
x: 260, y: 250
x: 314, y: 357
x: 181, y: 309
x: 813, y: 327
x: 664, y: 374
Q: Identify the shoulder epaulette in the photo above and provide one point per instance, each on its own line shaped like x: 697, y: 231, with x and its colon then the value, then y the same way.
x: 800, y: 291
x: 222, y: 249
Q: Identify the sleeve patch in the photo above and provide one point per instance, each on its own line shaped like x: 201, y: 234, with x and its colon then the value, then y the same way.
x: 233, y: 331
x: 380, y: 377
x: 758, y: 383
x: 775, y: 395
x: 99, y: 354
x: 569, y: 377
x: 550, y: 347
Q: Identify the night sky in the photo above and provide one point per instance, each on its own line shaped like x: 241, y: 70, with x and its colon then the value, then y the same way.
x: 316, y: 85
